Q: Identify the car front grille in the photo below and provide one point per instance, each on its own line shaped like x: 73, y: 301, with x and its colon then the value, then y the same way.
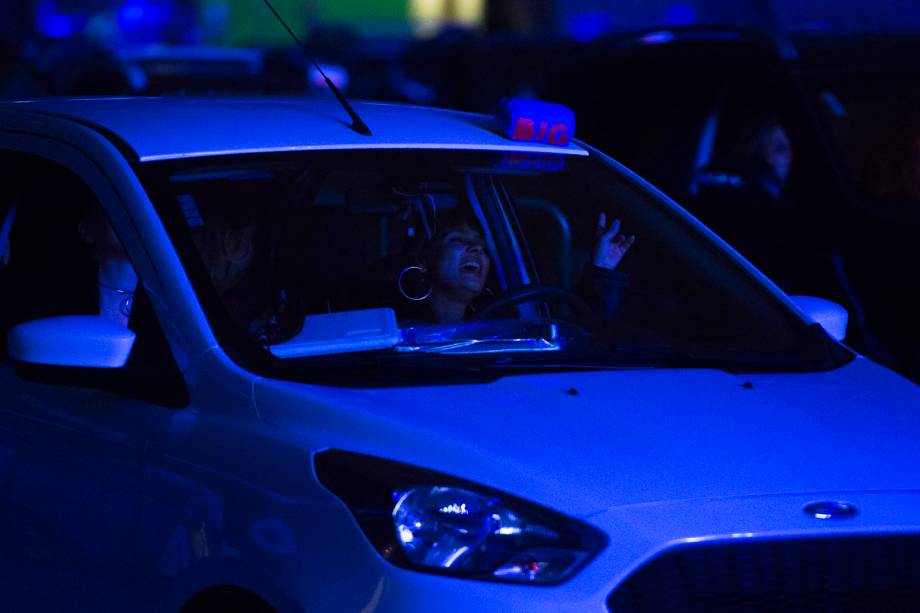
x: 873, y: 573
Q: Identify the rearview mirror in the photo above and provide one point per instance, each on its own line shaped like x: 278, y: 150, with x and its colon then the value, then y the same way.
x: 831, y: 316
x: 88, y: 341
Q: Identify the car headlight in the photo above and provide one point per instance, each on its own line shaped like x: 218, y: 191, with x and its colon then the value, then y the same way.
x: 430, y: 522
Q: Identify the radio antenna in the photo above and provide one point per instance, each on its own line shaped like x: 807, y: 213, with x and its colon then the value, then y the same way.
x: 357, y: 124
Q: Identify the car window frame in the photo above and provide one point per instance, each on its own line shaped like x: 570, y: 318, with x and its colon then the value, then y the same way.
x: 245, y: 353
x: 174, y: 392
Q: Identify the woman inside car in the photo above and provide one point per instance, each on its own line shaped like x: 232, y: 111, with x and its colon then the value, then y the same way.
x: 450, y: 279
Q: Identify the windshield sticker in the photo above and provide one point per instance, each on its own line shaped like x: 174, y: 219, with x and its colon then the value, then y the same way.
x: 532, y: 161
x: 190, y: 210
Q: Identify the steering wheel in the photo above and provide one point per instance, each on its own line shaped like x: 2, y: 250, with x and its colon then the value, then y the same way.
x: 532, y: 293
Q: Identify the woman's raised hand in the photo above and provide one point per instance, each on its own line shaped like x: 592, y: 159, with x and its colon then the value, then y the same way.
x: 610, y: 246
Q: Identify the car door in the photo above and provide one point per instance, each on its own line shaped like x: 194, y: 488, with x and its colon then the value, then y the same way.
x: 71, y: 439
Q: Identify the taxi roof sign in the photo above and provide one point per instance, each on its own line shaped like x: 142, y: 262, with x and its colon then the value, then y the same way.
x: 535, y: 121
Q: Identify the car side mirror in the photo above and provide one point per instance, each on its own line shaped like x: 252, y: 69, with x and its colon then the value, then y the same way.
x: 89, y: 341
x: 831, y: 316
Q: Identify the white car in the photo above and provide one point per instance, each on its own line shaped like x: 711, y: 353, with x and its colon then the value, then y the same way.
x: 257, y: 360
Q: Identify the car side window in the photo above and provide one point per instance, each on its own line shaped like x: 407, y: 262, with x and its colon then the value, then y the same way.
x: 60, y: 256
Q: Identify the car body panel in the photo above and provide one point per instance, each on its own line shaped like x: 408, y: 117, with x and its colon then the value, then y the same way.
x: 71, y: 493
x: 239, y: 126
x: 644, y: 531
x: 643, y: 436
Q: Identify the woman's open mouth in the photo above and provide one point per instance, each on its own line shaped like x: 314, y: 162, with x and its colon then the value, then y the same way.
x: 471, y: 267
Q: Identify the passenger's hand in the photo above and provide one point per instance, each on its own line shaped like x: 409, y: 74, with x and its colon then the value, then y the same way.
x: 609, y: 247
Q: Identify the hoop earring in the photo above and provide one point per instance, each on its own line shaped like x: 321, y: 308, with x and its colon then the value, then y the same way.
x: 399, y: 284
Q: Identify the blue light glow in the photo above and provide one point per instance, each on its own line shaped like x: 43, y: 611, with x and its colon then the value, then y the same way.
x: 58, y: 26
x: 585, y: 27
x: 680, y: 14
x: 454, y: 509
x: 143, y: 14
x: 453, y: 557
x: 52, y: 24
x: 337, y: 74
x: 405, y: 535
x: 657, y: 38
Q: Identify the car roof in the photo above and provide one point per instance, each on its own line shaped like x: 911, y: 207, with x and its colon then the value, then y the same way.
x: 166, y: 128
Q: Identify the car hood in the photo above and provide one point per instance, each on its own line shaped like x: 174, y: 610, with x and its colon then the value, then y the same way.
x: 582, y: 442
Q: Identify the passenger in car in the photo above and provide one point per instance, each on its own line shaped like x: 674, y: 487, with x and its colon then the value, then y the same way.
x: 238, y: 264
x: 753, y: 167
x: 458, y: 267
x: 227, y: 245
x: 454, y: 268
x: 767, y: 155
x: 449, y: 272
x: 116, y: 278
x: 602, y: 285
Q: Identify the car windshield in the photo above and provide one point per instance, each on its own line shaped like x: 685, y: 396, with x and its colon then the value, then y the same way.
x: 464, y: 260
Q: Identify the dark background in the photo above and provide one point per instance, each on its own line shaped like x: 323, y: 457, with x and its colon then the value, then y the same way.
x: 61, y: 47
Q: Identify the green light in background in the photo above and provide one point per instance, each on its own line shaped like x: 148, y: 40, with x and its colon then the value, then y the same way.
x: 252, y: 25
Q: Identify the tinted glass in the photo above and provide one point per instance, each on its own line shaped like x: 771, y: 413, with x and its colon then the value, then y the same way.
x: 480, y: 257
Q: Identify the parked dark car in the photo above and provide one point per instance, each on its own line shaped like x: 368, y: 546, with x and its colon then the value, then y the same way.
x: 682, y: 106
